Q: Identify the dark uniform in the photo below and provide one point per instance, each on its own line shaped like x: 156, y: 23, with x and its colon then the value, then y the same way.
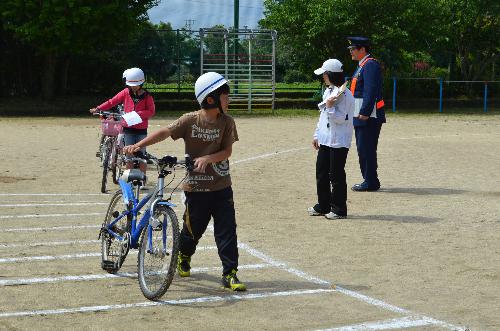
x: 366, y: 86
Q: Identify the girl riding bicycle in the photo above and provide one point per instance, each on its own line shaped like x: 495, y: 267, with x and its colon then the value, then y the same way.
x: 138, y: 106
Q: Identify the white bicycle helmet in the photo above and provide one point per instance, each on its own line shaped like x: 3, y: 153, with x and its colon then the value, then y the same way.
x: 124, y: 76
x: 134, y: 77
x: 207, y: 83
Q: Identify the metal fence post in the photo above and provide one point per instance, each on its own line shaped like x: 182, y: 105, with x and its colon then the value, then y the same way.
x: 393, y: 94
x: 485, y: 97
x: 440, y: 95
x: 178, y: 63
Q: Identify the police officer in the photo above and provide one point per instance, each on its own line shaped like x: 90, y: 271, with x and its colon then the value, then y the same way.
x: 366, y: 86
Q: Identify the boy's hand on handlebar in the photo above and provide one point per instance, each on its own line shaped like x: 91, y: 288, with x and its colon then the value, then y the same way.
x: 92, y: 110
x: 131, y: 149
x: 200, y: 164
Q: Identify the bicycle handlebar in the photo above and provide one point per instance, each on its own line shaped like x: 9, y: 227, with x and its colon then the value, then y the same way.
x: 165, y: 161
x: 116, y: 116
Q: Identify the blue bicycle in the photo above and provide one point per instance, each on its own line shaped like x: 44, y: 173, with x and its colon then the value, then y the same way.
x: 156, y: 234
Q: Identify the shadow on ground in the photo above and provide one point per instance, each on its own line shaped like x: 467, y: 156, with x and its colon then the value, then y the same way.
x: 423, y: 190
x: 395, y: 218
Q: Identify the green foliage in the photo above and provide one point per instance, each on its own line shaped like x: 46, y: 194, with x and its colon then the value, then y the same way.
x: 293, y: 76
x: 406, y: 35
x: 73, y: 26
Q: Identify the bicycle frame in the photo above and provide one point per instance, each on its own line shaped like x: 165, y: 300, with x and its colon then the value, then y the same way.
x: 130, y: 199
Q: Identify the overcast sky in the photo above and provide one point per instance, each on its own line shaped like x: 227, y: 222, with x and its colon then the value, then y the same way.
x: 206, y: 13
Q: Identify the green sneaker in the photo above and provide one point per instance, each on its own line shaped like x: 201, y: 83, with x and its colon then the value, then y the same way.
x: 184, y: 265
x: 232, y: 282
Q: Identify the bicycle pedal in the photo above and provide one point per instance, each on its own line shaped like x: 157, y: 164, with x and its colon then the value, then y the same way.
x: 108, y: 265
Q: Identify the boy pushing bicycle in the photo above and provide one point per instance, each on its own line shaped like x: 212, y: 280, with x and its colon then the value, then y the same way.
x: 208, y: 134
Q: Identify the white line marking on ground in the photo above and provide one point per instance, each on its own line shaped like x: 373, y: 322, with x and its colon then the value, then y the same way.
x: 54, y: 204
x: 54, y: 194
x: 50, y: 243
x: 281, y: 265
x: 48, y: 257
x: 233, y: 297
x: 39, y: 280
x: 256, y: 253
x: 353, y: 294
x: 396, y: 323
x: 55, y: 228
x: 49, y: 215
x: 268, y: 155
x: 69, y: 256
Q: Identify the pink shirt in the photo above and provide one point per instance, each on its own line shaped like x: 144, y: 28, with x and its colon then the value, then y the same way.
x: 145, y: 108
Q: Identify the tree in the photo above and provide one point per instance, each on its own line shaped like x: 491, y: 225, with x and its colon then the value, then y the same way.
x: 58, y: 29
x: 472, y: 34
x: 312, y: 31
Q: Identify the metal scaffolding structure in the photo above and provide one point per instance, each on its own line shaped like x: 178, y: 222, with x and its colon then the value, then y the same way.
x: 247, y: 58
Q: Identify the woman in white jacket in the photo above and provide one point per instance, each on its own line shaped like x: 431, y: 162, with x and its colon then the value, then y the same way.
x: 332, y: 139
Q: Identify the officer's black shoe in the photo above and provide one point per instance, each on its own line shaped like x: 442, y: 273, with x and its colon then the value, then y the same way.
x: 363, y: 187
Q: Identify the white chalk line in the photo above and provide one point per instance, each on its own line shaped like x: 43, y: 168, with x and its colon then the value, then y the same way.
x: 352, y: 294
x: 54, y: 228
x: 209, y: 299
x: 53, y: 194
x: 69, y: 256
x: 17, y: 205
x: 268, y: 155
x: 396, y: 323
x: 49, y: 215
x: 50, y: 243
x: 281, y: 265
x: 91, y: 277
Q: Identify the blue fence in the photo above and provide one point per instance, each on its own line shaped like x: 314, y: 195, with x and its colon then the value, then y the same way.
x: 442, y: 89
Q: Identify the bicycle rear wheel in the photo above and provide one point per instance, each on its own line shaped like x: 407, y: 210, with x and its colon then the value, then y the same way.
x: 156, y: 263
x: 114, y: 251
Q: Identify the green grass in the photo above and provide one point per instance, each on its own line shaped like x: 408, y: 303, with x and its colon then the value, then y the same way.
x: 189, y: 87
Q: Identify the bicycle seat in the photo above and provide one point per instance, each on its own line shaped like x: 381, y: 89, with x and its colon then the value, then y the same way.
x: 130, y: 175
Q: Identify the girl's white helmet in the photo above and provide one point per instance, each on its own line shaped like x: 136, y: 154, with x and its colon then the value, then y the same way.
x: 134, y: 77
x: 124, y: 76
x: 207, y: 83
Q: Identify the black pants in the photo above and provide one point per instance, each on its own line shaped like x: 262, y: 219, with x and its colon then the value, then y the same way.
x: 331, y: 182
x: 200, y: 207
x: 367, y: 143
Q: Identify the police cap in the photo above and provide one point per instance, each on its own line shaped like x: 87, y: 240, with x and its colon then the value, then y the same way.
x: 358, y: 42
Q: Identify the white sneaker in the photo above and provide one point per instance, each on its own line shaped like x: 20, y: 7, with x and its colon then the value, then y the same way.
x: 313, y: 212
x: 332, y: 216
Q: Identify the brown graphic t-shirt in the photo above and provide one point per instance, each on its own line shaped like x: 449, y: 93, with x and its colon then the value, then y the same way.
x: 204, y: 138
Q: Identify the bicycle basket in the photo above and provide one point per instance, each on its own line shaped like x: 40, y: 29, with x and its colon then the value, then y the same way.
x: 110, y: 127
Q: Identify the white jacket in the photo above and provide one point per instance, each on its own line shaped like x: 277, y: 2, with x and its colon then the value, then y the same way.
x: 334, y: 128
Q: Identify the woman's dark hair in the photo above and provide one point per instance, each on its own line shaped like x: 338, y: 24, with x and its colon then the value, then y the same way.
x: 336, y: 78
x: 224, y: 89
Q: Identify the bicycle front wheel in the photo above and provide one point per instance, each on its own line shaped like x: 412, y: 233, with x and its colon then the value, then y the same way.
x: 158, y: 251
x: 106, y: 159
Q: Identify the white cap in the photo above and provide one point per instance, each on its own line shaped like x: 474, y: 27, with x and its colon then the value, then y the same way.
x: 332, y: 65
x: 207, y: 83
x: 134, y: 77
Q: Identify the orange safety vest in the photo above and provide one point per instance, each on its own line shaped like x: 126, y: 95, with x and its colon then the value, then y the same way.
x: 380, y: 103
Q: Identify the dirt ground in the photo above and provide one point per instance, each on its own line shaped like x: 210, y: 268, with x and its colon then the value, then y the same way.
x: 422, y: 253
